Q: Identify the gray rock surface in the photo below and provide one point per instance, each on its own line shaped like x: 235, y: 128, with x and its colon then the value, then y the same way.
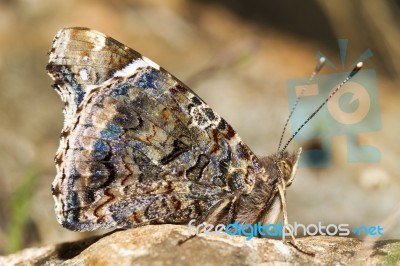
x: 159, y: 245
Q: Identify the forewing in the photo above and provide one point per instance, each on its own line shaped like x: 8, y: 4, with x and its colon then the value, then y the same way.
x: 81, y: 58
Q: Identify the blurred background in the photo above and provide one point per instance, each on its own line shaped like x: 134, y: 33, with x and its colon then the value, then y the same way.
x: 238, y: 56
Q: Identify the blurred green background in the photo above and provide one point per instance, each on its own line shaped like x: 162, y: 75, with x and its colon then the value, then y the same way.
x: 237, y: 55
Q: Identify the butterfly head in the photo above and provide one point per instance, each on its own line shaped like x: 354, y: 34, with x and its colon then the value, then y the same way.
x: 287, y: 164
x: 283, y: 165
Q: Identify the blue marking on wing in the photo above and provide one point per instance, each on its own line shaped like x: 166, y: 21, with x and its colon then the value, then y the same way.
x: 111, y: 132
x: 101, y: 149
x: 121, y: 89
x: 148, y: 80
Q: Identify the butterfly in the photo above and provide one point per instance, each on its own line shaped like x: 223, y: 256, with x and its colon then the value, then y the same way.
x: 139, y: 147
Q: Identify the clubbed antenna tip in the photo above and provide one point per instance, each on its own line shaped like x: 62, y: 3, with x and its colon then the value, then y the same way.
x: 356, y: 69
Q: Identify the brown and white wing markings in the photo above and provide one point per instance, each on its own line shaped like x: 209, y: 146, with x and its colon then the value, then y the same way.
x: 81, y: 58
x: 138, y: 146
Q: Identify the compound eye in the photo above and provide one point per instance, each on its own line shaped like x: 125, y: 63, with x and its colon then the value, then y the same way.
x: 286, y: 169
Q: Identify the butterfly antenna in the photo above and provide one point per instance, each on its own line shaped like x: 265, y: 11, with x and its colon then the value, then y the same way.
x: 352, y: 73
x: 318, y: 67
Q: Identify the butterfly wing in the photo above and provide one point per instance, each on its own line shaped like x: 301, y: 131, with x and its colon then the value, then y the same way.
x: 137, y: 146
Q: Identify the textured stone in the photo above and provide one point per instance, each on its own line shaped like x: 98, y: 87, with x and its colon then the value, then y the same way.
x: 158, y: 245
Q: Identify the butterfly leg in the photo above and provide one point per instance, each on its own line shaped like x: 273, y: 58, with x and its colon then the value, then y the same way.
x: 293, y: 242
x: 215, y: 215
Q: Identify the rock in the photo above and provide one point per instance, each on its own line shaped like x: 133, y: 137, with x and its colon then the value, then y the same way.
x: 159, y: 245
